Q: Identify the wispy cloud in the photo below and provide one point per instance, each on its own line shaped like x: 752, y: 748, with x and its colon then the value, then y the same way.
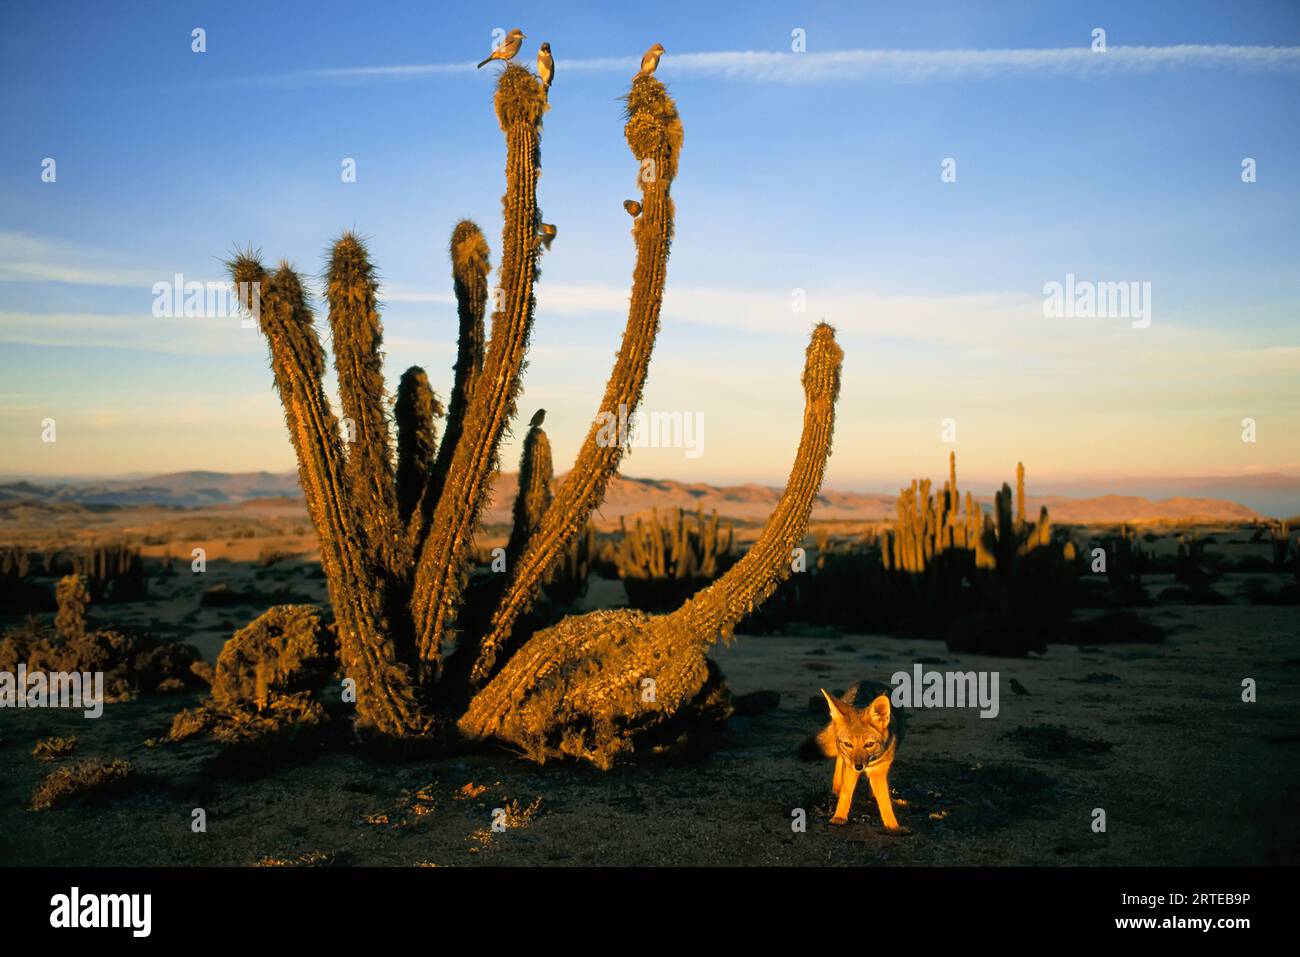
x: 898, y: 66
x: 911, y: 66
x: 137, y: 331
x: 28, y: 258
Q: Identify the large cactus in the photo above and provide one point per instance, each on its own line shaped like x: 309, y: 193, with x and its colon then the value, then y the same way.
x: 397, y: 538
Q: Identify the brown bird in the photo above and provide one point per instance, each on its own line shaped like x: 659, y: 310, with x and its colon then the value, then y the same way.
x: 538, y: 418
x: 548, y: 235
x: 509, y: 47
x: 650, y: 61
x: 633, y: 207
x: 545, y: 65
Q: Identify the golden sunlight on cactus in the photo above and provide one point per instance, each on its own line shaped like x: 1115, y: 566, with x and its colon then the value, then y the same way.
x: 583, y: 687
x: 654, y: 135
x: 419, y: 639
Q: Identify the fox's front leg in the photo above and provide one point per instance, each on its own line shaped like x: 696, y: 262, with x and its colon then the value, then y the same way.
x: 848, y: 781
x: 880, y: 789
x: 839, y: 775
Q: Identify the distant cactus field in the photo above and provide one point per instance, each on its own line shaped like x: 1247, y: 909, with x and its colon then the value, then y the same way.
x: 663, y: 561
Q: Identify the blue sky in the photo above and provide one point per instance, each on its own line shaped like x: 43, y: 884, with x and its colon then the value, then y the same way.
x: 817, y: 171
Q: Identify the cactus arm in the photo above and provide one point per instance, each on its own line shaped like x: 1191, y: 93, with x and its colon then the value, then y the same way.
x: 577, y: 688
x: 352, y: 292
x: 534, y: 496
x: 1020, y: 496
x: 654, y: 134
x: 713, y: 612
x: 441, y: 570
x: 415, y: 411
x: 954, y: 498
x: 470, y: 264
x: 385, y: 699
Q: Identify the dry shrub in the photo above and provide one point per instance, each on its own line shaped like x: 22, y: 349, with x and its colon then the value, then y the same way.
x: 51, y: 749
x: 131, y: 663
x: 88, y: 779
x: 265, y: 680
x: 283, y: 652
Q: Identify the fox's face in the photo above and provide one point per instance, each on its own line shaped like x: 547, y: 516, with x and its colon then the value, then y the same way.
x: 861, y: 734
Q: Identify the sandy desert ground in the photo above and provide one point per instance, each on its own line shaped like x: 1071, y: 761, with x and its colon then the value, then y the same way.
x: 1155, y: 734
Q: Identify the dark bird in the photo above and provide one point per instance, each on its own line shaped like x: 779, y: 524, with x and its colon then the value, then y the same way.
x: 650, y: 61
x: 548, y: 235
x: 633, y: 207
x: 538, y: 417
x: 1018, y: 688
x: 545, y: 65
x: 509, y: 47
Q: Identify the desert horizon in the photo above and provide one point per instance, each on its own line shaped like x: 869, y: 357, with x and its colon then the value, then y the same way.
x: 1275, y: 496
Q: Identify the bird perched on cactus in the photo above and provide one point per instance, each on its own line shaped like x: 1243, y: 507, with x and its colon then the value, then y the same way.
x: 548, y: 232
x: 650, y: 61
x: 508, y: 48
x: 633, y: 207
x: 538, y: 418
x: 545, y: 65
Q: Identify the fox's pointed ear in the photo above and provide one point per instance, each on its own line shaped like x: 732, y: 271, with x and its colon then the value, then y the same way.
x: 878, y: 711
x: 839, y: 710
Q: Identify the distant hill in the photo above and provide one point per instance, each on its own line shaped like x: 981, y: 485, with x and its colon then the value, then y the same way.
x: 179, y: 489
x: 1105, y: 509
x: 1269, y: 493
x: 625, y: 497
x: 742, y: 503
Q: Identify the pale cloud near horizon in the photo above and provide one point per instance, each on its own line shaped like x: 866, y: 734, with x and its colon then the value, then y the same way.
x: 976, y: 323
x: 900, y: 66
x: 1075, y: 398
x: 140, y: 331
x: 991, y: 357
